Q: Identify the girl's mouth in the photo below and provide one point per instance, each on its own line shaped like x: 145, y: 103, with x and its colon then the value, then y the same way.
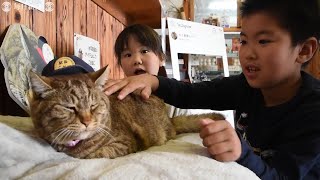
x: 139, y: 71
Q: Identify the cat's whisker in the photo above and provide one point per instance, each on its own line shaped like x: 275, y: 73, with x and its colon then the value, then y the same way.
x: 58, y: 131
x: 62, y: 131
x: 73, y: 126
x: 106, y: 130
x: 67, y: 134
x: 103, y: 131
x: 58, y: 139
x: 106, y: 127
x: 62, y: 136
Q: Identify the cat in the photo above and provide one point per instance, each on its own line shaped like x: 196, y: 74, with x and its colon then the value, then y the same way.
x: 74, y: 115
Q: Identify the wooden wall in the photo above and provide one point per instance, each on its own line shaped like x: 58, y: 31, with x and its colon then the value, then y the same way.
x: 68, y: 17
x: 314, y: 65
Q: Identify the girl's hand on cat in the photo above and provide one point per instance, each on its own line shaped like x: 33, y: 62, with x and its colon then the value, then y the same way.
x: 221, y: 140
x: 142, y: 85
x: 109, y: 83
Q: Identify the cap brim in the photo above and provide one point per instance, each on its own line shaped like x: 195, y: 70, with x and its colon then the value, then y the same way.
x: 67, y: 71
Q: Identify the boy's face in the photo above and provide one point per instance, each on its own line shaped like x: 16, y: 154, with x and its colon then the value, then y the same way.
x: 137, y: 59
x: 267, y: 57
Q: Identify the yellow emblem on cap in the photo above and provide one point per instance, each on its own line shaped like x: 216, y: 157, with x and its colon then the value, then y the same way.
x: 63, y: 62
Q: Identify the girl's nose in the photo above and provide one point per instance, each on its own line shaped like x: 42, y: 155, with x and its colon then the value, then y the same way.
x: 137, y: 60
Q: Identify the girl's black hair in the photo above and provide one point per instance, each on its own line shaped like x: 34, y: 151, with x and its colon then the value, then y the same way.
x: 142, y: 33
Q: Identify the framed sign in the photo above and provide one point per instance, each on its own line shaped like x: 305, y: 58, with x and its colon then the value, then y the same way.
x: 194, y: 38
x: 88, y: 50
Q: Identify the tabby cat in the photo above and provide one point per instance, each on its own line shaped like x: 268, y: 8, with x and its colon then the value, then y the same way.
x: 74, y: 115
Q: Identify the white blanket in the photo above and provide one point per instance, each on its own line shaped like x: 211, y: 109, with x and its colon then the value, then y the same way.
x: 24, y: 156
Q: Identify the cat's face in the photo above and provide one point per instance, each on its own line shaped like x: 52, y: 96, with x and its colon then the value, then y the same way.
x: 68, y: 109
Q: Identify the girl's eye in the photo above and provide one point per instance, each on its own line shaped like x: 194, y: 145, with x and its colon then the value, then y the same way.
x: 263, y: 41
x: 144, y: 51
x: 127, y: 55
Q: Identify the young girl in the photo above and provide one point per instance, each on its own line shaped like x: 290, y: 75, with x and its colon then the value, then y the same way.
x: 277, y: 105
x: 138, y: 51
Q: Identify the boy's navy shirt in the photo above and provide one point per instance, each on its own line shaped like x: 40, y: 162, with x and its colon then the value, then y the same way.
x: 278, y: 142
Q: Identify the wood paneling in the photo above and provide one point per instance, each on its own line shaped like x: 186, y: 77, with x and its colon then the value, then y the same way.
x: 92, y: 20
x: 108, y: 31
x: 64, y: 27
x: 117, y: 29
x: 314, y: 65
x: 80, y: 17
x: 6, y: 17
x: 45, y: 24
x: 105, y: 45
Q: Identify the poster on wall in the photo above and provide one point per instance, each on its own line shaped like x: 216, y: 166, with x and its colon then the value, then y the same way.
x: 198, y: 39
x: 195, y: 38
x: 88, y: 50
x: 37, y: 4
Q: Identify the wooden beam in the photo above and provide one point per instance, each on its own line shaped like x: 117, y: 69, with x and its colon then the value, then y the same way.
x: 113, y: 9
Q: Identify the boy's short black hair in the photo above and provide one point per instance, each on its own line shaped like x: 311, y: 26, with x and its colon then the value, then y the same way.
x: 144, y: 34
x: 299, y: 17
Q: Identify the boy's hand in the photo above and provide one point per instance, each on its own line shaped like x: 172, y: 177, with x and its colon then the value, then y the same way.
x: 142, y: 84
x: 221, y: 140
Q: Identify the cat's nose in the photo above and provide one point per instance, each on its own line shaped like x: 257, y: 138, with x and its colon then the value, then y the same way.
x: 85, y: 118
x: 86, y: 122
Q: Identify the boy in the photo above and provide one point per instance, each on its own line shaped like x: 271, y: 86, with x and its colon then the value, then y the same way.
x: 277, y: 105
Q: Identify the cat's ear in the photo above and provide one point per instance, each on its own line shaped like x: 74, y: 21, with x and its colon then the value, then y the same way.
x: 100, y: 77
x: 39, y: 85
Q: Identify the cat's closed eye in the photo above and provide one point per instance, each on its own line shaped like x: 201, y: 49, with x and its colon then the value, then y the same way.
x: 66, y: 107
x: 71, y: 108
x: 93, y: 106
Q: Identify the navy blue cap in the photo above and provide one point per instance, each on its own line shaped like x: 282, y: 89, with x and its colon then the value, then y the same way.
x: 65, y: 66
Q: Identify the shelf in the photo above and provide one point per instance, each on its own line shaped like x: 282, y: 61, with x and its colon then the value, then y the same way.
x: 226, y: 31
x: 233, y: 55
x: 132, y: 12
x: 232, y: 29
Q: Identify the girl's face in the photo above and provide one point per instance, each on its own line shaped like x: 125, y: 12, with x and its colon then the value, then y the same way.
x: 138, y: 59
x: 268, y: 59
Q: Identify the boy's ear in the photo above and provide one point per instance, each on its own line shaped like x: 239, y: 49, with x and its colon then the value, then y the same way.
x: 308, y: 48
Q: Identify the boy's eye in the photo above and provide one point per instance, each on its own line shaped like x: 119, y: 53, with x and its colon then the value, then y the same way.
x: 263, y: 41
x: 242, y: 42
